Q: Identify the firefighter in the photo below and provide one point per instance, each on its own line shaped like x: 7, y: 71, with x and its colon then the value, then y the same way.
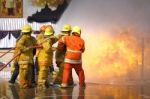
x: 51, y: 67
x: 75, y: 48
x: 60, y: 54
x: 25, y: 59
x: 45, y: 55
x: 15, y: 67
x: 39, y: 37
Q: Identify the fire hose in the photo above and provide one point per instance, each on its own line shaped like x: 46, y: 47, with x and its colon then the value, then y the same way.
x: 19, y: 54
x: 14, y: 48
x: 30, y: 47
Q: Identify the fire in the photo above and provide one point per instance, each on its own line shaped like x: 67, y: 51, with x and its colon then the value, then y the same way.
x: 109, y: 58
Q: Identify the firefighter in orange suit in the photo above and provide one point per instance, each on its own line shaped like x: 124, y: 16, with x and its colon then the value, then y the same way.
x: 60, y: 55
x: 45, y: 55
x: 75, y: 48
x: 25, y: 60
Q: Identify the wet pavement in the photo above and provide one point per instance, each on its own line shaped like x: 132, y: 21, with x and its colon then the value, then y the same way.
x: 92, y: 91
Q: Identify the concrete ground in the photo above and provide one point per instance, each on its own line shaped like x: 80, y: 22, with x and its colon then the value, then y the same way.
x: 92, y: 91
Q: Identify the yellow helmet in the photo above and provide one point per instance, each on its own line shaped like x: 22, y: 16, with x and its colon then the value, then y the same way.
x: 26, y: 28
x: 66, y: 28
x: 50, y: 26
x: 49, y: 31
x: 76, y: 29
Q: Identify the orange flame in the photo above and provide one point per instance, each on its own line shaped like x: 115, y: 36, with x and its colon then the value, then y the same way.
x: 111, y: 58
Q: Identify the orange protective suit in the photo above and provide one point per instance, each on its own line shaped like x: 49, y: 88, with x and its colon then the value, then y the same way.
x: 75, y: 48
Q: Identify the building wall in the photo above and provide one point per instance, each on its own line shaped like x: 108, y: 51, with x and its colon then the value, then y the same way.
x: 97, y: 15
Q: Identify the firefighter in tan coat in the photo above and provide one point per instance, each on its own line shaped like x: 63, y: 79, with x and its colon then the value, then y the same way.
x: 39, y: 39
x: 45, y: 55
x: 25, y: 59
x: 60, y: 55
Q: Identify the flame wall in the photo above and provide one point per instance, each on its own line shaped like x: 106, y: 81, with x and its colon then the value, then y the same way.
x: 112, y: 58
x: 113, y: 31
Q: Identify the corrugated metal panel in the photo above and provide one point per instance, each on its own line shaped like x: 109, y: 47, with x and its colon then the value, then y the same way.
x: 17, y: 23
